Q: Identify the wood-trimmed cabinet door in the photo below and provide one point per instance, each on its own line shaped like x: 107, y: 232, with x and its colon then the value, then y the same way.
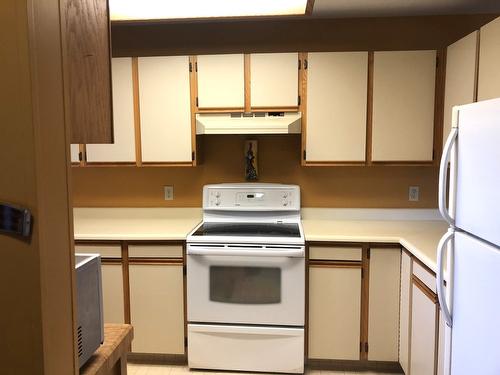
x: 165, y: 109
x: 336, y: 106
x: 75, y: 153
x: 157, y: 308
x: 274, y: 80
x: 424, y: 330
x: 334, y: 312
x: 221, y: 81
x: 460, y: 76
x: 112, y: 280
x: 403, y: 106
x: 489, y: 57
x: 123, y: 148
x: 404, y: 312
x: 383, y: 306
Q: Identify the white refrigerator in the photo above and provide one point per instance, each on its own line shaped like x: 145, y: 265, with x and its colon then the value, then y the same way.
x: 468, y: 279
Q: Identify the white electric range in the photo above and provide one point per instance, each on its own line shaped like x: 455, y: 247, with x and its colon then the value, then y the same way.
x: 246, y: 280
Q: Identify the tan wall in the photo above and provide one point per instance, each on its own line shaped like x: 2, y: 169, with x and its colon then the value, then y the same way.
x: 279, y: 161
x: 36, y: 277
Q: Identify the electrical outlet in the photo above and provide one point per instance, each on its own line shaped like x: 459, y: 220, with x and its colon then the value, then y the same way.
x: 413, y: 193
x: 169, y: 192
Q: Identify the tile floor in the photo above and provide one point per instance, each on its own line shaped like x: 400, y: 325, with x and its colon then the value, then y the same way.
x: 137, y: 369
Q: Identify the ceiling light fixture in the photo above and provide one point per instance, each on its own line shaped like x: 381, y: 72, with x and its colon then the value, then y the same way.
x: 131, y: 10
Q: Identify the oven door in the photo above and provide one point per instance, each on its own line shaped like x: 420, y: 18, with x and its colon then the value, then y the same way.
x: 246, y: 284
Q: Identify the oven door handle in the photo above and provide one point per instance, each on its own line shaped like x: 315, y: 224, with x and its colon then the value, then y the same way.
x: 248, y: 252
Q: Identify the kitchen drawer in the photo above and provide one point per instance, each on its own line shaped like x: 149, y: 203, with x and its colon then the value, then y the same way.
x: 106, y: 251
x: 246, y: 348
x: 425, y: 276
x: 155, y: 251
x: 335, y: 253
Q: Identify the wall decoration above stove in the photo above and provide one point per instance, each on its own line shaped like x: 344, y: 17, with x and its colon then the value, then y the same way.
x: 251, y: 168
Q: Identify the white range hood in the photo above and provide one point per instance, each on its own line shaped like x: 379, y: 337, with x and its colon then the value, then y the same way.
x: 249, y: 123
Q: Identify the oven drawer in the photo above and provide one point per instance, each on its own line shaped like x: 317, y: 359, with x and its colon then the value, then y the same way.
x: 246, y: 348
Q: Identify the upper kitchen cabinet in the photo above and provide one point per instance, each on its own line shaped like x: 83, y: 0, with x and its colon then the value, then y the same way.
x: 75, y: 153
x: 274, y: 80
x: 221, y: 81
x: 123, y: 149
x: 403, y: 106
x: 460, y: 76
x: 489, y: 61
x: 165, y: 109
x: 336, y: 107
x: 86, y: 64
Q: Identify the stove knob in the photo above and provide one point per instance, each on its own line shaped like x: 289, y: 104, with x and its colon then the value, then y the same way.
x: 217, y: 195
x: 285, y: 195
x: 285, y: 203
x: 217, y: 202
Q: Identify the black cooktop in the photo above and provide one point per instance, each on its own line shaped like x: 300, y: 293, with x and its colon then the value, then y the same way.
x: 249, y: 229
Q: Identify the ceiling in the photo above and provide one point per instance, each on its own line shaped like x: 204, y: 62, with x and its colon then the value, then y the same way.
x: 388, y: 8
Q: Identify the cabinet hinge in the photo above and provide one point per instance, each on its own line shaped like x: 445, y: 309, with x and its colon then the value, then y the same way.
x: 300, y: 64
x: 80, y: 156
x: 433, y: 154
x: 362, y: 273
x: 304, y: 154
x: 298, y: 99
x: 190, y: 67
x: 437, y: 61
x: 196, y: 66
x: 366, y: 347
x: 192, y: 156
x: 185, y: 342
x: 184, y: 271
x: 305, y: 64
x: 197, y: 101
x: 368, y: 253
x: 360, y: 347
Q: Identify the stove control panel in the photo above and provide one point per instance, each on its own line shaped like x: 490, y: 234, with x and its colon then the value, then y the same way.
x: 253, y: 197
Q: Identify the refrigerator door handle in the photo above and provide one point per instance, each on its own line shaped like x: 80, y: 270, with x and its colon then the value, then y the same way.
x: 440, y: 279
x: 443, y: 176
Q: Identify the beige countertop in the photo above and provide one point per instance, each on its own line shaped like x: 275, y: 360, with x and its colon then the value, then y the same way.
x: 418, y: 231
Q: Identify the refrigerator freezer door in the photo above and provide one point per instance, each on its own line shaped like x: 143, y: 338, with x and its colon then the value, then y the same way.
x: 477, y: 201
x: 476, y: 327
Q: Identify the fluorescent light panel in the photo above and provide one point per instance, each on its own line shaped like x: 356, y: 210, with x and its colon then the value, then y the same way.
x: 123, y: 10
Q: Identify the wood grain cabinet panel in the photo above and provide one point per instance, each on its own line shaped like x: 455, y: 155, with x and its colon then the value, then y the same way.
x: 335, y: 253
x: 489, y: 61
x: 274, y: 79
x: 404, y: 312
x: 336, y: 106
x: 423, y: 333
x: 157, y: 308
x: 221, y: 81
x: 87, y: 59
x: 334, y: 313
x: 123, y: 148
x: 460, y: 76
x: 165, y: 108
x: 403, y: 106
x: 383, y: 306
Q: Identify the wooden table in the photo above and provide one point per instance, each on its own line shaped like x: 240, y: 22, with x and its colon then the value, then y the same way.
x: 111, y: 357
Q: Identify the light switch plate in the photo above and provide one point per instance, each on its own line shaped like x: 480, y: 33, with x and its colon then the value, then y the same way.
x: 414, y: 193
x: 169, y: 192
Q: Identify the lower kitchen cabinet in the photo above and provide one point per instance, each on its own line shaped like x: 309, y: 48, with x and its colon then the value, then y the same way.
x: 157, y: 307
x: 383, y: 306
x: 404, y: 312
x: 334, y: 312
x: 112, y: 280
x: 112, y: 293
x: 424, y: 330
